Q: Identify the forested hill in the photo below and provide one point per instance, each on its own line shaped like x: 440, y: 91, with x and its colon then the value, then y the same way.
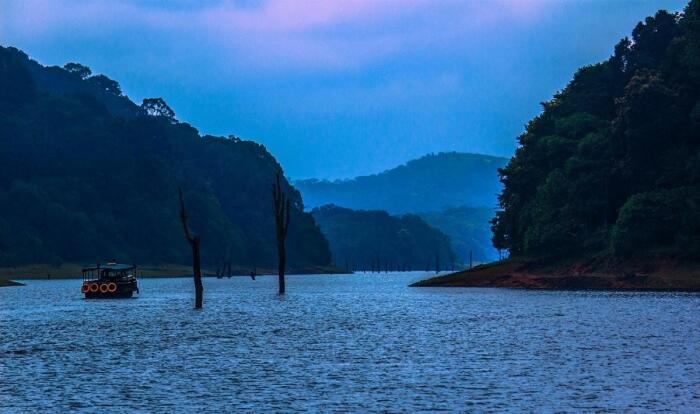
x: 612, y: 164
x: 374, y: 240
x: 88, y: 175
x: 430, y: 183
x: 468, y: 230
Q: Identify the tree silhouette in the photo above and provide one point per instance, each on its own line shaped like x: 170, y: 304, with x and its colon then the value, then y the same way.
x: 157, y: 107
x: 611, y: 164
x: 106, y: 84
x: 81, y: 70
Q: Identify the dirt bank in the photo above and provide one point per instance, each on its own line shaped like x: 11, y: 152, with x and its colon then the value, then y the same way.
x: 603, y: 273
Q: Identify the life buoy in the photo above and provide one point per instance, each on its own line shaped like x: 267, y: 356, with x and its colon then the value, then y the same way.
x: 94, y: 287
x: 85, y: 288
x: 103, y: 287
x: 111, y: 287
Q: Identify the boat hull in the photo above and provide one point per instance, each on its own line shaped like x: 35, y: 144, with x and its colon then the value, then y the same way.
x: 123, y: 291
x: 114, y: 295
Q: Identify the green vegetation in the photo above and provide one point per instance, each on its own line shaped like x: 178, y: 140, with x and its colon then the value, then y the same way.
x: 612, y: 164
x: 431, y: 183
x: 374, y: 240
x: 88, y: 175
x: 73, y: 271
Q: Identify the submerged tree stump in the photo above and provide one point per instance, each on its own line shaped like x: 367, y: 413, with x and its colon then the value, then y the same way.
x: 193, y: 240
x: 281, y: 208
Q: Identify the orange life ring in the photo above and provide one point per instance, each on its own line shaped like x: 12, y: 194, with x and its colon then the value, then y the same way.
x: 103, y: 287
x: 85, y: 288
x: 94, y: 287
x: 111, y: 287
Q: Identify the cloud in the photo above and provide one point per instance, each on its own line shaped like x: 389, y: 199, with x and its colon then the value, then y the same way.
x: 276, y: 35
x: 396, y: 94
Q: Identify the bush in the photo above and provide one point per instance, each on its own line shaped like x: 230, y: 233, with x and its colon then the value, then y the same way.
x: 657, y: 219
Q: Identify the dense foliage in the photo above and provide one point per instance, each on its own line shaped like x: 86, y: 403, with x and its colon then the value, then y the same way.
x: 430, y: 183
x: 87, y: 175
x: 613, y: 161
x: 366, y: 240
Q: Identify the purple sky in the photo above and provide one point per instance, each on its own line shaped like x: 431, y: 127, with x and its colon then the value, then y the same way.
x: 335, y: 88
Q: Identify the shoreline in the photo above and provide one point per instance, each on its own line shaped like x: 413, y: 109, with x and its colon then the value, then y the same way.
x: 7, y: 282
x: 73, y: 271
x: 595, y: 273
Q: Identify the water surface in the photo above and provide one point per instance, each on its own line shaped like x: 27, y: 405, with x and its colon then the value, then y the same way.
x: 353, y: 343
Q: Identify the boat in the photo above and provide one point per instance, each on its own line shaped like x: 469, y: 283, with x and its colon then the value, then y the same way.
x: 109, y: 281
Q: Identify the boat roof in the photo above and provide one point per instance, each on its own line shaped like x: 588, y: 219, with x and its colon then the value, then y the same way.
x: 110, y: 266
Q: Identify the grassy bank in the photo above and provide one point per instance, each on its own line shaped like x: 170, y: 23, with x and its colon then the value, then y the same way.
x: 72, y: 271
x: 602, y: 272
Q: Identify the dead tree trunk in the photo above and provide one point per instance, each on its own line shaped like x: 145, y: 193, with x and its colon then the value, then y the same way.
x: 193, y: 240
x: 281, y: 208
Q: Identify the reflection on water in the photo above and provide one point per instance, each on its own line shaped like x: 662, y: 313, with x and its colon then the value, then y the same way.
x: 346, y: 343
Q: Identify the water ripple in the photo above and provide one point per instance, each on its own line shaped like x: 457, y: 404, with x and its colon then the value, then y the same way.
x: 346, y: 344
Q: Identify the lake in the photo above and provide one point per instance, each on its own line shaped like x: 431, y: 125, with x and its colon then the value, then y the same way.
x: 358, y: 343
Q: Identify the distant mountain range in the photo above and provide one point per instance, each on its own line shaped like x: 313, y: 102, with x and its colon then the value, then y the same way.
x: 430, y: 183
x: 453, y: 192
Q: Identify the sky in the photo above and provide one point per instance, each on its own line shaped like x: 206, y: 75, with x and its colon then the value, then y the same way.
x: 335, y: 88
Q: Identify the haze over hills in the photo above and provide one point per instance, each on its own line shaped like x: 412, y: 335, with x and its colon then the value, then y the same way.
x: 86, y: 174
x: 469, y: 229
x: 453, y: 192
x: 430, y: 183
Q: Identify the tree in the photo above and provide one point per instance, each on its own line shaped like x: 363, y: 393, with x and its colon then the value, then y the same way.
x: 81, y: 70
x: 193, y: 240
x: 380, y: 239
x: 281, y: 209
x: 157, y: 107
x: 616, y: 146
x: 69, y: 144
x: 106, y: 84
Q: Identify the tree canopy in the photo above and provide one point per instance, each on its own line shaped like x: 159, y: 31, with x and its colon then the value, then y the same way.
x: 372, y: 239
x: 611, y: 164
x: 86, y: 174
x: 157, y: 107
x: 81, y: 70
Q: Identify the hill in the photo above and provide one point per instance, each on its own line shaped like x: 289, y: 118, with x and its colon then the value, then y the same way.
x: 366, y: 240
x: 468, y: 229
x: 453, y: 192
x: 430, y: 183
x: 606, y: 179
x: 86, y: 174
